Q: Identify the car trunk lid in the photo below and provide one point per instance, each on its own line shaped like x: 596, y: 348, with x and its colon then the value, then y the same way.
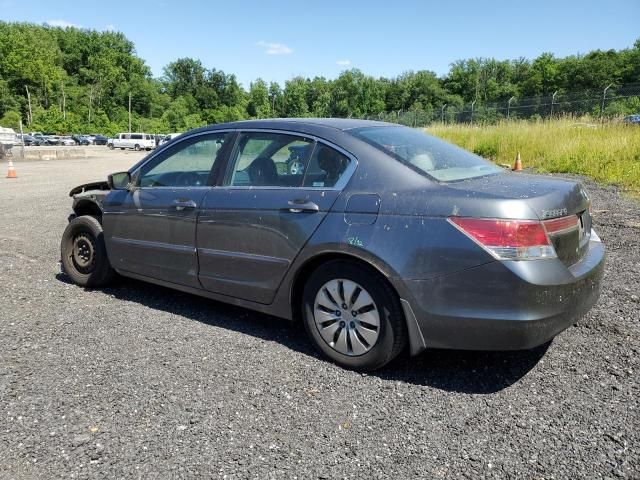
x: 561, y: 204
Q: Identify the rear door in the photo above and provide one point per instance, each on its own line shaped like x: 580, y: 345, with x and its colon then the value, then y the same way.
x: 151, y: 229
x: 273, y: 197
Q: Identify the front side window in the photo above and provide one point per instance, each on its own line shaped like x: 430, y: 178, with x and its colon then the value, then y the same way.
x: 427, y: 154
x: 269, y: 160
x: 186, y: 164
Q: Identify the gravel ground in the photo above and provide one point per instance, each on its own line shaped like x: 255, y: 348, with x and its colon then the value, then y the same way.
x: 141, y: 381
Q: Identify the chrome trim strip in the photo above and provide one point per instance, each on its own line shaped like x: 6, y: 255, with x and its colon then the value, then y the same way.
x: 153, y: 245
x: 242, y: 256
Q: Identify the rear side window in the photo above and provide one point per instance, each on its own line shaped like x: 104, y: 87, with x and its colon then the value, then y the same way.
x: 264, y: 159
x: 326, y: 167
x: 428, y: 155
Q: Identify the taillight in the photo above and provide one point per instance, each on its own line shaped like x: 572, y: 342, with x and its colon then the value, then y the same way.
x: 507, y: 239
x: 561, y: 225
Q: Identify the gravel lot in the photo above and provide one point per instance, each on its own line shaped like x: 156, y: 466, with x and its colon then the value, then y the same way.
x: 141, y: 381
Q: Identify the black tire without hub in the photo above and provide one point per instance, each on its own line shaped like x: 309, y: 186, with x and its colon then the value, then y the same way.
x: 391, y: 334
x: 83, y: 253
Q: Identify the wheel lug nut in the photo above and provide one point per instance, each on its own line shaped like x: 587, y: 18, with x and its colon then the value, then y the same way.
x: 338, y: 313
x: 353, y: 313
x: 344, y: 306
x: 352, y: 324
x: 342, y: 324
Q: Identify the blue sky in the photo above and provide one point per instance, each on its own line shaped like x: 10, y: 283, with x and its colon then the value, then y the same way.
x: 277, y: 40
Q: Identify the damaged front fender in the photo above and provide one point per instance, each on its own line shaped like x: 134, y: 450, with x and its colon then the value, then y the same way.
x: 89, y: 186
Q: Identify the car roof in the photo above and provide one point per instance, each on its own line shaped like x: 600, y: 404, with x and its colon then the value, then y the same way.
x: 291, y: 123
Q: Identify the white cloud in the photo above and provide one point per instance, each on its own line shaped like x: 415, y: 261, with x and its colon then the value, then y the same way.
x: 62, y: 24
x: 274, y: 48
x: 344, y: 63
x: 109, y: 28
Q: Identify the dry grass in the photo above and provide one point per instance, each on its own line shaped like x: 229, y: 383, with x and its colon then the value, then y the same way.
x: 607, y: 152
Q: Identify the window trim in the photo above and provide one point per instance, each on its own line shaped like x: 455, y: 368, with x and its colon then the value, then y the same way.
x: 340, y: 184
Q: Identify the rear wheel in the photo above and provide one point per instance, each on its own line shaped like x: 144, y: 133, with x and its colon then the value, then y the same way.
x: 136, y: 147
x: 353, y: 316
x: 83, y: 253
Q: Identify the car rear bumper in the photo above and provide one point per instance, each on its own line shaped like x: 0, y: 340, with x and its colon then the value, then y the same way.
x: 510, y: 305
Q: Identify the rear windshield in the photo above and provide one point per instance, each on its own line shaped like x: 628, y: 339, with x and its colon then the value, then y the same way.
x: 429, y: 155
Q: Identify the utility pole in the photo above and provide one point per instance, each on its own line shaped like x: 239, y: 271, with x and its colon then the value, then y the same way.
x: 553, y: 101
x: 64, y: 102
x: 472, y: 105
x: 509, y: 106
x: 22, y: 137
x: 129, y: 111
x: 30, y: 119
x: 90, y: 102
x: 604, y: 98
x: 442, y: 112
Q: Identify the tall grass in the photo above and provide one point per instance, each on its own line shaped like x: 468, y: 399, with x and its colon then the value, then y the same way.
x: 608, y: 152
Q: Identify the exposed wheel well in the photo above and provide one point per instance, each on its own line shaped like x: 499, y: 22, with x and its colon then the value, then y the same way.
x: 309, y: 267
x: 87, y: 207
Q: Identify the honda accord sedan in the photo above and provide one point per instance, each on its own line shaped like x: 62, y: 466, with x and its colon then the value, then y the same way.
x: 382, y: 238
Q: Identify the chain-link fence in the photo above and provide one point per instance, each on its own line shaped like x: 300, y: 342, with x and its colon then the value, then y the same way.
x: 610, y: 102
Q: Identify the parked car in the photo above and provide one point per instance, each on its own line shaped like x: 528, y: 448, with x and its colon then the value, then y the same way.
x: 386, y: 238
x: 81, y: 140
x: 29, y: 140
x: 100, y: 140
x: 51, y: 140
x: 67, y: 141
x: 632, y: 119
x: 169, y: 137
x: 136, y: 141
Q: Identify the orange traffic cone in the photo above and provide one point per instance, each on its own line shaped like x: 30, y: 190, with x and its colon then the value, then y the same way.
x: 12, y: 171
x: 517, y: 166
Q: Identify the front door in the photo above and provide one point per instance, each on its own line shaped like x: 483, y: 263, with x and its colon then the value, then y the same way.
x: 277, y: 190
x: 151, y: 229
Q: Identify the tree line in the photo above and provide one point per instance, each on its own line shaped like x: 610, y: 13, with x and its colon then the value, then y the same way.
x: 76, y: 80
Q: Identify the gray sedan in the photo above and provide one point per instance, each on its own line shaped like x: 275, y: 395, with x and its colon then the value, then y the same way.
x: 378, y: 237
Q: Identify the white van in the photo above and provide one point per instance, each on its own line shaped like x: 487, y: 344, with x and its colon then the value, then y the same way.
x: 137, y: 141
x: 8, y: 138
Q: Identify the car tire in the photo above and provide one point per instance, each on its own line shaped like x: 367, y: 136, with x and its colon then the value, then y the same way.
x: 83, y: 253
x: 390, y: 333
x: 110, y: 145
x: 121, y: 148
x: 136, y: 147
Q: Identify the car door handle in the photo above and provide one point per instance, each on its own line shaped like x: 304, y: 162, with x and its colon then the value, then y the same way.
x: 301, y: 205
x: 180, y: 204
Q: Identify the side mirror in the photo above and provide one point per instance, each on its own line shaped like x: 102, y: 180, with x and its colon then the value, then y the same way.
x: 119, y: 181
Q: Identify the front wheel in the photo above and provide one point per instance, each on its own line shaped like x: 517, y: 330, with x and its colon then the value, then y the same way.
x: 83, y: 253
x: 136, y: 148
x: 353, y: 316
x: 110, y: 145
